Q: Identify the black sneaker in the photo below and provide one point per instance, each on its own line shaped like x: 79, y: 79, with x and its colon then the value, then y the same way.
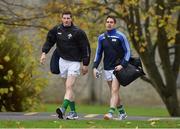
x: 60, y: 113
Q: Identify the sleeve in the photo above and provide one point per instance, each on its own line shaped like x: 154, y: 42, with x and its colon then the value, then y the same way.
x: 50, y: 40
x: 85, y: 48
x: 98, y: 56
x: 127, y: 53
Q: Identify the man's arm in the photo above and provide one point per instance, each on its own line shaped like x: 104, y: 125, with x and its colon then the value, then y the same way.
x: 43, y: 58
x: 84, y: 47
x: 98, y: 57
x: 50, y: 41
x: 127, y: 52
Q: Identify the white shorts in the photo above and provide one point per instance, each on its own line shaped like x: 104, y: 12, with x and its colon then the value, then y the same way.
x: 69, y: 68
x: 108, y: 75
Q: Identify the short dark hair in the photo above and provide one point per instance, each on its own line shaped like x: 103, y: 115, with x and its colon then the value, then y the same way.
x: 112, y: 17
x: 67, y: 13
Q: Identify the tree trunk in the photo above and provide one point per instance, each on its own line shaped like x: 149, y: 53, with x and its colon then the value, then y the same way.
x: 171, y: 103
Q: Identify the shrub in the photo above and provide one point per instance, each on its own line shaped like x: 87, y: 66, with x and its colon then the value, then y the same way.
x: 20, y: 84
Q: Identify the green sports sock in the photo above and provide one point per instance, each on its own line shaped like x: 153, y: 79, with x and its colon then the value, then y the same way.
x: 65, y: 104
x: 111, y: 110
x: 121, y: 109
x: 72, y: 106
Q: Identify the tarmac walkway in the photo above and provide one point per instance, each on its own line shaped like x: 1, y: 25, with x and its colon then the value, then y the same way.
x: 53, y: 116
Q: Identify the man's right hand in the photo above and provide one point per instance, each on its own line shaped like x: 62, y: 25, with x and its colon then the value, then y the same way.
x: 43, y: 58
x: 95, y: 71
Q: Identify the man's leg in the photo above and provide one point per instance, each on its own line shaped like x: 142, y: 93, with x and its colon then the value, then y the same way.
x: 69, y: 88
x: 113, y: 91
x: 110, y: 89
x: 66, y: 101
x: 68, y: 97
x: 120, y: 108
x: 69, y: 70
x: 109, y: 77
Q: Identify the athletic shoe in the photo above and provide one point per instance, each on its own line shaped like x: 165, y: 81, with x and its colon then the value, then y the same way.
x: 108, y: 116
x: 60, y: 112
x: 122, y: 116
x: 72, y: 116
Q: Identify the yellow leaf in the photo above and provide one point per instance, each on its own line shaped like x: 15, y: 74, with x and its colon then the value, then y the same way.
x: 5, y: 77
x: 21, y: 75
x: 142, y: 49
x: 18, y: 123
x: 128, y: 123
x: 10, y: 72
x: 172, y: 40
x: 161, y: 24
x: 2, y: 38
x: 160, y: 7
x: 152, y: 123
x: 137, y: 38
x: 4, y: 90
x: 7, y: 58
x: 1, y: 67
x: 11, y: 88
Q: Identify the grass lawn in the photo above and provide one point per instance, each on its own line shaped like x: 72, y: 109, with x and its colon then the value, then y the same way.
x: 96, y: 109
x: 89, y: 124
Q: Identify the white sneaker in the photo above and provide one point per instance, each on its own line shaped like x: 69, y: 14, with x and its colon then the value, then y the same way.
x: 72, y: 116
x: 108, y: 116
x: 122, y: 116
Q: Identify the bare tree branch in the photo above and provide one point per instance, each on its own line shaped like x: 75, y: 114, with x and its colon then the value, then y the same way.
x: 17, y: 5
x: 25, y: 25
x: 147, y: 32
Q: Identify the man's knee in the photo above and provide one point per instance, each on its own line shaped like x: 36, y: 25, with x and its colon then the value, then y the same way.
x: 69, y: 86
x: 115, y: 90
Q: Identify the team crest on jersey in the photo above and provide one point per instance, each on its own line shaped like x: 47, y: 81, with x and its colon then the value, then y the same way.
x: 69, y: 36
x: 114, y: 40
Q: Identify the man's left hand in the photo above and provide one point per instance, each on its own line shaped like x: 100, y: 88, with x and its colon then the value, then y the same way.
x: 84, y: 69
x: 118, y: 67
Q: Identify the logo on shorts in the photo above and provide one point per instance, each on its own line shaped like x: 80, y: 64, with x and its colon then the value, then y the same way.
x: 69, y: 36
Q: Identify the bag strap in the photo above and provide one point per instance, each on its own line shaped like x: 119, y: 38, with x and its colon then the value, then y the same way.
x: 108, y: 40
x: 118, y: 56
x: 106, y: 37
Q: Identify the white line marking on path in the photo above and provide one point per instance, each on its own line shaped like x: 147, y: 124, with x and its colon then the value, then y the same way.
x: 153, y: 119
x: 53, y: 115
x: 30, y: 113
x: 91, y: 115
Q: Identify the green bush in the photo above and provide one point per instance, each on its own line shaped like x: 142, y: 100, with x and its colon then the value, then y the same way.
x: 20, y: 84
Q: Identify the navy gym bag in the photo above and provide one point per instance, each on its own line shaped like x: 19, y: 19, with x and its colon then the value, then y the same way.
x: 54, y: 63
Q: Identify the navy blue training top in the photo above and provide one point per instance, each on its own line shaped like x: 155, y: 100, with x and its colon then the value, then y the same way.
x: 116, y: 47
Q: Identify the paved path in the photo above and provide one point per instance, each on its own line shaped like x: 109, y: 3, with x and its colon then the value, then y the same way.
x: 53, y: 116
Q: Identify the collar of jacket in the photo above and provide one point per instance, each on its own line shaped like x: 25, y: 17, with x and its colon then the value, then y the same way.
x: 111, y: 32
x: 66, y: 27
